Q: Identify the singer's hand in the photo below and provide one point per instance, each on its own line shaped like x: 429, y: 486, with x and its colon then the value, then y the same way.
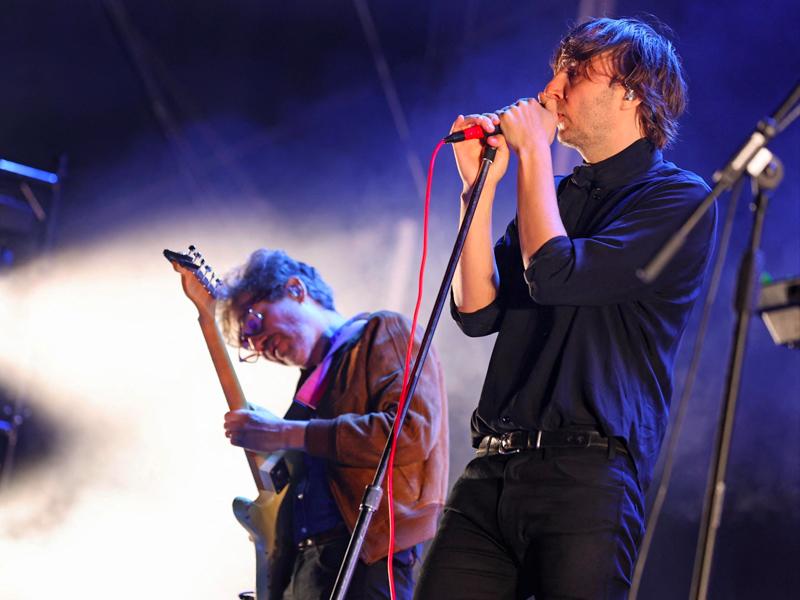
x: 529, y: 122
x: 469, y: 153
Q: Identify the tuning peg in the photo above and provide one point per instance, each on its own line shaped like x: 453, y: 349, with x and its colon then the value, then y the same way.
x: 192, y: 248
x: 214, y: 285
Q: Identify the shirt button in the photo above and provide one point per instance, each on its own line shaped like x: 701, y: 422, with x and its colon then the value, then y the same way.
x: 300, y: 496
x: 303, y: 530
x: 505, y: 420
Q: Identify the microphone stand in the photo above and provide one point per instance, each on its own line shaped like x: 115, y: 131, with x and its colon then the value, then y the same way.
x: 374, y: 493
x: 767, y: 173
x: 746, y: 291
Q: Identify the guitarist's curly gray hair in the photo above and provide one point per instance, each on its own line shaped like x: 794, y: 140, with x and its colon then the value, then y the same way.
x: 264, y: 277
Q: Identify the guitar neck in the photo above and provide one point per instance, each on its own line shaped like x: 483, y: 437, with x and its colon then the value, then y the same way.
x: 222, y: 363
x: 228, y: 380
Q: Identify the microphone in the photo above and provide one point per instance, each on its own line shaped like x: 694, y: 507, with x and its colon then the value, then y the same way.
x: 476, y: 132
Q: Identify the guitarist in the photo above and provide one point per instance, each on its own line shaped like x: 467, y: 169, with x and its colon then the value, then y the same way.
x: 351, y: 370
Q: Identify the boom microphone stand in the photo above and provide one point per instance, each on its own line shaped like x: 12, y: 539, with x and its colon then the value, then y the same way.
x: 746, y: 292
x: 767, y: 173
x: 373, y: 493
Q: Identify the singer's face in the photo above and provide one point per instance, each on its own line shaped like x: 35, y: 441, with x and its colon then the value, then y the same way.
x: 587, y: 104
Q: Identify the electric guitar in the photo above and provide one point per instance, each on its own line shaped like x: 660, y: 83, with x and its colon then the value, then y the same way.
x: 275, y: 473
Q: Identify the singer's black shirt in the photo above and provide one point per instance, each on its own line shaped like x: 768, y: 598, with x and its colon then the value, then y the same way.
x: 581, y: 340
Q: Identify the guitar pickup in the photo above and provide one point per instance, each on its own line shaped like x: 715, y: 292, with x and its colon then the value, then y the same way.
x: 275, y: 473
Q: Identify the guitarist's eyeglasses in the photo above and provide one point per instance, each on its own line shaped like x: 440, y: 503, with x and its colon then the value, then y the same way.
x: 250, y: 326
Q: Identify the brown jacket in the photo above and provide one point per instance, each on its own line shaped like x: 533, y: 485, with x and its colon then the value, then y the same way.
x: 352, y: 424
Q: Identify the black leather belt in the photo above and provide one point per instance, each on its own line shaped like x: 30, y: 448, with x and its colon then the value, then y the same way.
x: 325, y: 537
x: 516, y: 441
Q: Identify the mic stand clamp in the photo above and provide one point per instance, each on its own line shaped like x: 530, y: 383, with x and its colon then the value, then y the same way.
x: 373, y: 494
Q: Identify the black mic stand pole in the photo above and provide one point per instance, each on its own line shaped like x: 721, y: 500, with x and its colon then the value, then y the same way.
x: 746, y: 291
x: 374, y: 493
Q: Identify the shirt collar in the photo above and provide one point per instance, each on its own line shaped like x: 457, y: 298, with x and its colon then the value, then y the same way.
x: 629, y: 164
x: 343, y: 328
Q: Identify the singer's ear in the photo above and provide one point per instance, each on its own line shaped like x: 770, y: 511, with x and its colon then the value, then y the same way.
x: 629, y: 95
x: 630, y: 100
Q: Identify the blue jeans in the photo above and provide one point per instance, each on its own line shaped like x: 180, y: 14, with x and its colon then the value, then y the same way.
x: 316, y: 569
x: 553, y: 524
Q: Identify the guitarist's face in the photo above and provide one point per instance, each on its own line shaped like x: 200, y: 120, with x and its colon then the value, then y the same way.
x: 288, y: 332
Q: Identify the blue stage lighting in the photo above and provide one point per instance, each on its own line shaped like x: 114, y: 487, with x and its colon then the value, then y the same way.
x: 12, y: 167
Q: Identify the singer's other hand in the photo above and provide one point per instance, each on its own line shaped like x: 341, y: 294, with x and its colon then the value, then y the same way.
x: 529, y: 121
x: 469, y: 153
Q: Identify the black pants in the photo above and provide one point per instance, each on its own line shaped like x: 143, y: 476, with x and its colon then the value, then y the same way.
x: 556, y: 524
x: 316, y: 569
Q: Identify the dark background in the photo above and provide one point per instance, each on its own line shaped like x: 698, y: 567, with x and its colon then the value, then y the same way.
x: 281, y: 103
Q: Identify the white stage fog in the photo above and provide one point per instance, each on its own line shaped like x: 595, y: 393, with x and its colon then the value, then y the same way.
x: 135, y: 500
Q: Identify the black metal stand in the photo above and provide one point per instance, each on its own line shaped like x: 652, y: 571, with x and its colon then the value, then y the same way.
x: 373, y: 493
x: 745, y: 299
x: 754, y: 158
x: 21, y: 411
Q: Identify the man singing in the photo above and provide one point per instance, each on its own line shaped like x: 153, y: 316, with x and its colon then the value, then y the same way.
x: 574, y: 406
x: 352, y: 369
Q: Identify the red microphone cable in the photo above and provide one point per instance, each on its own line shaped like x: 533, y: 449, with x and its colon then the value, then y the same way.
x: 404, y: 392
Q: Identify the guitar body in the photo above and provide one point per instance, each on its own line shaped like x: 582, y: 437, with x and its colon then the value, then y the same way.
x: 270, y: 528
x: 268, y: 519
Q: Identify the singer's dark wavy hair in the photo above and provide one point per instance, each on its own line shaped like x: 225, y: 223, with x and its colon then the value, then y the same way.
x: 643, y: 60
x: 264, y: 277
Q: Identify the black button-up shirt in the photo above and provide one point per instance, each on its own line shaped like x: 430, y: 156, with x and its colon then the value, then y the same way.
x: 581, y: 340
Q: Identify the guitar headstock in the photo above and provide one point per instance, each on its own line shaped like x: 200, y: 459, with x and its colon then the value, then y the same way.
x: 200, y: 282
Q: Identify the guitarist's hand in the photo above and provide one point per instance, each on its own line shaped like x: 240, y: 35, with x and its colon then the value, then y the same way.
x: 261, y: 431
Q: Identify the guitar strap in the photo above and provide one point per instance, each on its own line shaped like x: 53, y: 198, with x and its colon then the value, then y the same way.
x: 310, y: 392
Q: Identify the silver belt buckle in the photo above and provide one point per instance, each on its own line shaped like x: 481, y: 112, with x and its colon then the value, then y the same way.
x: 505, y: 441
x: 305, y: 544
